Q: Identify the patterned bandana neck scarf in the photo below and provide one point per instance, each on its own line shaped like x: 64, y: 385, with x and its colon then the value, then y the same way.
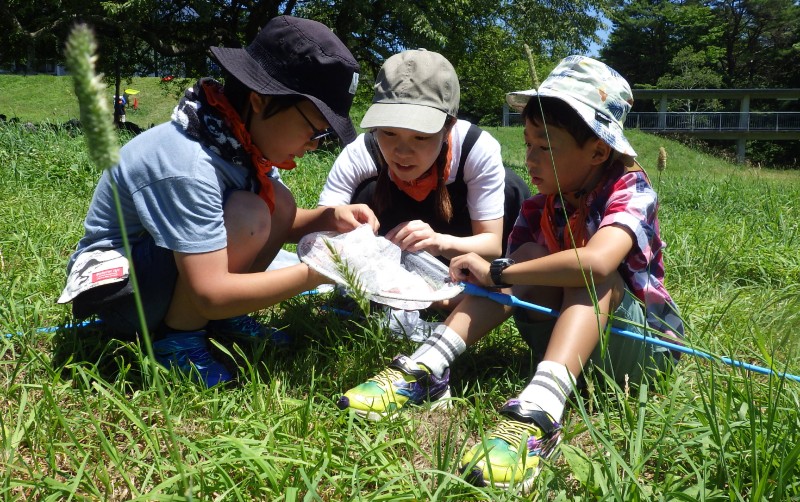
x: 419, y: 188
x: 576, y: 224
x: 206, y: 115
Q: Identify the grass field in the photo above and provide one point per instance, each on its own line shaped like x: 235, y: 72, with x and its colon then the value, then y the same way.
x: 40, y: 98
x: 81, y: 417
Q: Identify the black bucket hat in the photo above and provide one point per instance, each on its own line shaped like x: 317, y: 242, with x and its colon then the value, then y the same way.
x: 295, y: 56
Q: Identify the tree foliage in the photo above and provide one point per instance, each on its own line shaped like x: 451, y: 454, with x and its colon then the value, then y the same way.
x: 711, y: 44
x: 483, y: 38
x: 732, y: 43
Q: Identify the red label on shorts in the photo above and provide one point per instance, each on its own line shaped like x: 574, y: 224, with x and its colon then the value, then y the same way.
x: 112, y: 273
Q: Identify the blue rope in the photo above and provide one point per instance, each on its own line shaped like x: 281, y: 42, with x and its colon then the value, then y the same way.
x: 51, y: 329
x: 513, y: 301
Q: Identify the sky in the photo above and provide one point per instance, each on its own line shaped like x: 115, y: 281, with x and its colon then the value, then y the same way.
x: 594, y: 49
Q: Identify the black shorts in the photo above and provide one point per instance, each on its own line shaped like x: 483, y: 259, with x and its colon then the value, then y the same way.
x: 115, y: 304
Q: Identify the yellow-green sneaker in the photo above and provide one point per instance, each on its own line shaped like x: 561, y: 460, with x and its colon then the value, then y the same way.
x: 512, y: 453
x: 403, y: 382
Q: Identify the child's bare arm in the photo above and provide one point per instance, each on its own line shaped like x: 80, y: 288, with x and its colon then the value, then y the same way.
x: 338, y: 218
x: 596, y: 262
x: 215, y: 293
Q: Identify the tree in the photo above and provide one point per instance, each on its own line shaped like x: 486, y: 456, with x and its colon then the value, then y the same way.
x: 711, y: 43
x: 689, y: 69
x: 483, y: 38
x: 760, y: 42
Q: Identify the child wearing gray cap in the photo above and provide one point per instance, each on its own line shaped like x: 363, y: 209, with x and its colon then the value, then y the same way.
x: 436, y: 183
x: 587, y: 244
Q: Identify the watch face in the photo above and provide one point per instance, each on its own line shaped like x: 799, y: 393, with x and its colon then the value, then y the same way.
x: 496, y: 270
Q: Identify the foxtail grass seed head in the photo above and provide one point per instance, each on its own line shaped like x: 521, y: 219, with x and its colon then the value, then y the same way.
x: 532, y: 67
x: 662, y: 159
x: 96, y: 121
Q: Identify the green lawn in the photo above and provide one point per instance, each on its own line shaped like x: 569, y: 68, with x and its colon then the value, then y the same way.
x: 40, y: 98
x: 81, y: 417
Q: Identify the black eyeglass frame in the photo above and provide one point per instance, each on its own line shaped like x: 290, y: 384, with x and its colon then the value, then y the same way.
x: 318, y: 134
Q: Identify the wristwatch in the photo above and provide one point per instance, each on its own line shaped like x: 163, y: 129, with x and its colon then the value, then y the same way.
x: 496, y: 271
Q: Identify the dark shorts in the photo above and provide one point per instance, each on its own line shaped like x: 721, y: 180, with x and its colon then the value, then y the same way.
x: 115, y: 304
x: 618, y: 356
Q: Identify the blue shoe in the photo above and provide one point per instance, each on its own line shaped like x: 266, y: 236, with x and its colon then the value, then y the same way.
x: 188, y: 352
x: 403, y: 383
x: 246, y: 328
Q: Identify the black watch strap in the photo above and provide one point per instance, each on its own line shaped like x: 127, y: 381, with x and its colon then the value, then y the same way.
x: 496, y: 271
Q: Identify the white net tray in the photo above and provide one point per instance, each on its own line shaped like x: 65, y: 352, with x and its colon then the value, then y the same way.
x: 400, y: 279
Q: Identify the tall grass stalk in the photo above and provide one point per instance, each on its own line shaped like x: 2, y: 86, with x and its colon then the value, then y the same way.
x: 103, y: 147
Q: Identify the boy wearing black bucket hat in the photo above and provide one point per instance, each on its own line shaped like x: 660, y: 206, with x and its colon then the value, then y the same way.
x: 587, y: 244
x: 204, y: 206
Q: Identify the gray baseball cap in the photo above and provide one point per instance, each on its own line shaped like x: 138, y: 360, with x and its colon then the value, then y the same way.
x: 415, y: 89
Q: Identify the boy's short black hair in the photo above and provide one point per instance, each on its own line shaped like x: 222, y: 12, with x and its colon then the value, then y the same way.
x: 556, y: 112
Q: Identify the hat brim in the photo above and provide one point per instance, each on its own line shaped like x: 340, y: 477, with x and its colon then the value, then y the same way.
x: 609, y: 131
x: 424, y: 119
x: 241, y: 65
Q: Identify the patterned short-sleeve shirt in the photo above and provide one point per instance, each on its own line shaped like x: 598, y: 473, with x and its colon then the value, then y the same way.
x: 627, y: 200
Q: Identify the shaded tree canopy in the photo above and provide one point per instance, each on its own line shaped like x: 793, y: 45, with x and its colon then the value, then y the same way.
x: 711, y: 44
x: 482, y: 38
x: 735, y: 43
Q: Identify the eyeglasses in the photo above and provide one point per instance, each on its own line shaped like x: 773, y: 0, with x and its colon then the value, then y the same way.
x: 317, y: 133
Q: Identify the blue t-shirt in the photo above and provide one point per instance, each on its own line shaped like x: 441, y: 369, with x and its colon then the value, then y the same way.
x: 170, y: 187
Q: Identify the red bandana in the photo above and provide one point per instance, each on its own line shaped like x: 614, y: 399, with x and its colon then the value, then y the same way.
x: 419, y: 188
x: 262, y: 165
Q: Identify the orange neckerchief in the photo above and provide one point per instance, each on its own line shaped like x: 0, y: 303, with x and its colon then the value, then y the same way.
x: 419, y: 188
x: 576, y: 221
x: 261, y: 164
x: 576, y: 224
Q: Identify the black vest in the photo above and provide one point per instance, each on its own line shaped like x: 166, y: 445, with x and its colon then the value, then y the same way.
x: 400, y: 207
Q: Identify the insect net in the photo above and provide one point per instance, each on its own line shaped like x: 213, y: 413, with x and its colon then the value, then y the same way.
x: 386, y: 274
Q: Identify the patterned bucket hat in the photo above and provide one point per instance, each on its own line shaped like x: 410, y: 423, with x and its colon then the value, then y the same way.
x: 600, y: 95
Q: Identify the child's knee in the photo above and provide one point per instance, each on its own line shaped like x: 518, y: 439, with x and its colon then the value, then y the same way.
x: 285, y: 207
x: 607, y: 294
x: 247, y: 216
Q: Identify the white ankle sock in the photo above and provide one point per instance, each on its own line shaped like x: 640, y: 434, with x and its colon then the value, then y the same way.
x: 549, y: 389
x: 439, y: 350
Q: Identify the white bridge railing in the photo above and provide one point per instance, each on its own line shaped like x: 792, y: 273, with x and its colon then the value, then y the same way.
x: 714, y: 121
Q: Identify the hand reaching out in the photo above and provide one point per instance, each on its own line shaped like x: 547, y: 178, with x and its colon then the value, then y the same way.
x: 352, y: 216
x: 416, y: 235
x: 471, y: 268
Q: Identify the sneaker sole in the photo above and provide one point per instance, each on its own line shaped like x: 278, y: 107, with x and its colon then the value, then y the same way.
x: 442, y: 402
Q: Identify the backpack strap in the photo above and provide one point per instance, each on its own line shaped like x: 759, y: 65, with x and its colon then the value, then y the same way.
x: 374, y: 150
x: 470, y: 139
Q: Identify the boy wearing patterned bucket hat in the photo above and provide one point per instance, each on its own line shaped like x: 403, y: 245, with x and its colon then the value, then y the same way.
x: 588, y: 245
